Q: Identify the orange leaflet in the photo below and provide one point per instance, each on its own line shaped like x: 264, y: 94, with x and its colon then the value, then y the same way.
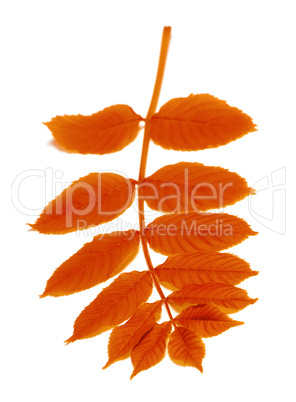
x: 227, y: 296
x: 125, y: 337
x: 186, y: 348
x: 104, y: 132
x: 206, y: 320
x: 182, y: 269
x: 92, y: 200
x: 189, y: 237
x: 113, y: 305
x: 187, y: 233
x: 95, y: 262
x: 198, y: 122
x: 187, y: 187
x: 151, y: 348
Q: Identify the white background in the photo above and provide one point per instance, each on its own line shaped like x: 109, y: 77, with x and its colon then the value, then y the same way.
x: 70, y: 57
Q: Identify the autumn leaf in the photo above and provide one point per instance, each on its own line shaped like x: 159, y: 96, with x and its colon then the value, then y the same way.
x: 226, y: 296
x: 186, y: 348
x: 151, y: 348
x: 125, y: 337
x: 187, y: 233
x: 199, y: 267
x: 206, y: 320
x: 198, y: 122
x: 187, y: 187
x: 103, y: 132
x: 113, y: 305
x: 94, y: 263
x: 92, y: 200
x: 192, y: 239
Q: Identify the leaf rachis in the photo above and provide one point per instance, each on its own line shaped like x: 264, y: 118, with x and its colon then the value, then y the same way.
x: 144, y: 156
x: 195, y: 270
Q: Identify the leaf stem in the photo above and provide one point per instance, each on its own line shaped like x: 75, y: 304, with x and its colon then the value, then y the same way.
x: 152, y: 108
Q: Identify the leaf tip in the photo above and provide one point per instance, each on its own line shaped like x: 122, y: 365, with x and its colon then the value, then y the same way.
x: 107, y: 365
x: 32, y: 227
x: 253, y: 232
x: 70, y: 340
x: 133, y: 375
x: 254, y: 300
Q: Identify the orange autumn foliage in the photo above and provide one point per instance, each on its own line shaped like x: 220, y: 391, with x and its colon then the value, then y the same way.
x: 206, y: 319
x: 198, y: 122
x: 151, y: 348
x: 125, y: 337
x: 186, y: 348
x: 187, y: 233
x: 89, y: 201
x: 94, y: 263
x: 197, y: 268
x: 201, y: 278
x: 113, y: 305
x: 192, y: 187
x: 104, y: 132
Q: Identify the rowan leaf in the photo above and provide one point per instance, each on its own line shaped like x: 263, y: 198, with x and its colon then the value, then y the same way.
x: 192, y: 187
x: 206, y: 320
x: 151, y: 348
x: 115, y: 304
x: 94, y: 263
x: 92, y: 200
x: 186, y: 348
x: 226, y: 296
x: 187, y: 233
x: 198, y: 122
x: 200, y: 267
x: 125, y: 337
x: 109, y: 130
